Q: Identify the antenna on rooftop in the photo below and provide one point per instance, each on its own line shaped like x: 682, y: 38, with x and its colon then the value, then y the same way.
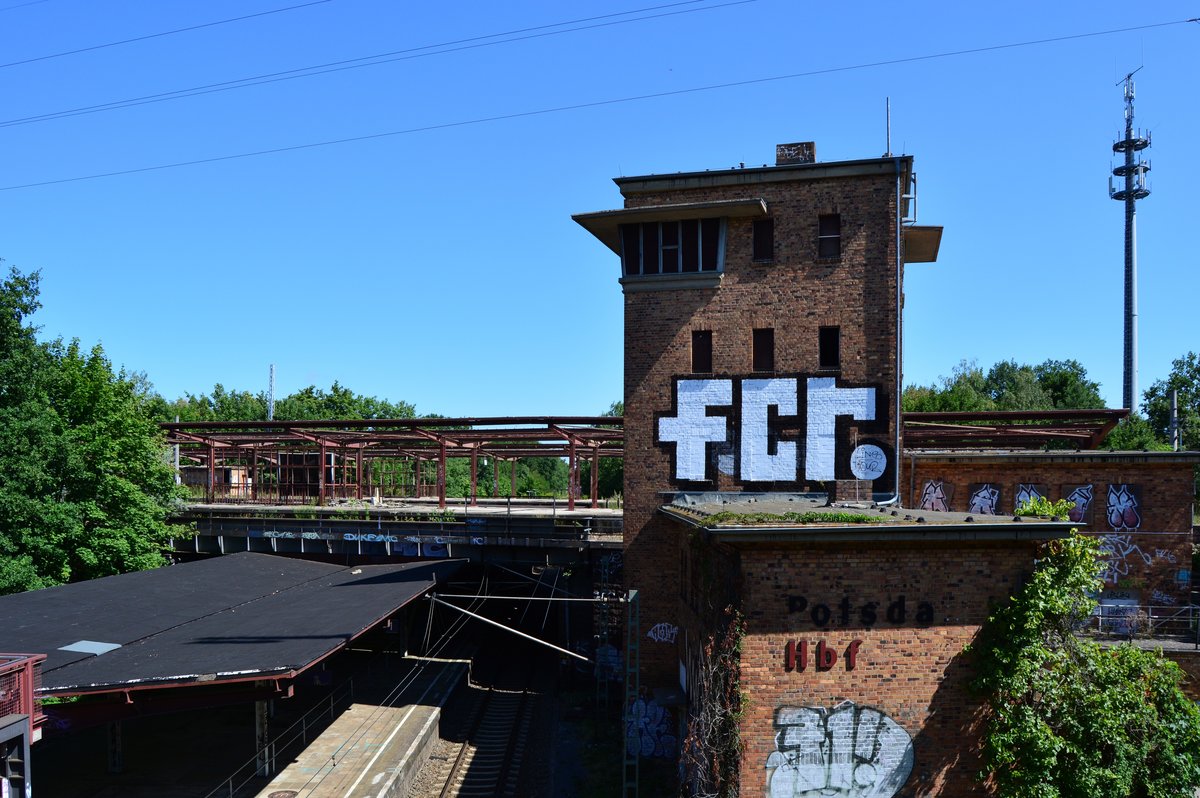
x: 888, y: 103
x: 1135, y: 187
x: 271, y: 395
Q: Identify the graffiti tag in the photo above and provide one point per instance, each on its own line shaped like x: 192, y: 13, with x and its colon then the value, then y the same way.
x: 663, y: 632
x: 848, y: 751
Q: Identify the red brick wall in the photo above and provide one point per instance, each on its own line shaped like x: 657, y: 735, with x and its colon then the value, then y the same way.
x: 1144, y: 564
x: 915, y: 674
x: 795, y: 295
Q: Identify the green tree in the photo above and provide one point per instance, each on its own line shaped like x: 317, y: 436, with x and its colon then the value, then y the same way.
x: 85, y: 485
x: 1066, y: 383
x: 1069, y: 718
x: 1185, y: 378
x: 1008, y: 385
x: 1134, y: 433
x: 611, y: 481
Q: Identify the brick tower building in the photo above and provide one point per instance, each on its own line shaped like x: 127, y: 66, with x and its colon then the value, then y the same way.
x: 764, y: 493
x: 762, y: 340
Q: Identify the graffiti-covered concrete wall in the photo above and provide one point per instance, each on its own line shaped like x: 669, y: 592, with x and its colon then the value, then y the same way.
x: 1139, y: 504
x: 853, y: 661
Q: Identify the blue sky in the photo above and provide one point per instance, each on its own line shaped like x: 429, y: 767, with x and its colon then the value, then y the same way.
x: 442, y: 267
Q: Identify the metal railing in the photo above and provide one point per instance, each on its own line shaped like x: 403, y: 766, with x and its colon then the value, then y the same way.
x: 291, y: 740
x: 1142, y: 621
x: 20, y: 677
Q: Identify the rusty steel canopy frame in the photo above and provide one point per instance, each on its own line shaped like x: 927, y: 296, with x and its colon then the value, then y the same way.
x: 302, y: 461
x: 1010, y: 429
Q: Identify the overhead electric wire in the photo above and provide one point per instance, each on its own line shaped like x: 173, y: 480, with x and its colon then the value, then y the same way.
x: 22, y: 5
x: 377, y: 59
x: 596, y: 104
x: 157, y: 35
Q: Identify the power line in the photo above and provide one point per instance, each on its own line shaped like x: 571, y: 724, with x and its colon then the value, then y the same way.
x: 596, y: 104
x: 376, y: 60
x: 157, y: 35
x: 22, y: 5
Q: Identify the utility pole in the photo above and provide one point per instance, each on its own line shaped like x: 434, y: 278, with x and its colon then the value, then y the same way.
x: 1135, y: 188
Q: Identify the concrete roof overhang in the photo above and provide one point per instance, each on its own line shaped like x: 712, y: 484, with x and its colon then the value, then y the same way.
x: 605, y: 225
x: 921, y: 243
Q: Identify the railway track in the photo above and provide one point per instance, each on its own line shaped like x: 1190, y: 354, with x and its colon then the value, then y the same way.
x: 485, y: 753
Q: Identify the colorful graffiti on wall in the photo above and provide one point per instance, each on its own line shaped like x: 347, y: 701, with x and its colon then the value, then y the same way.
x: 936, y: 496
x: 1125, y: 507
x: 848, y: 751
x: 985, y: 499
x: 1081, y: 495
x: 1026, y: 493
x: 649, y: 730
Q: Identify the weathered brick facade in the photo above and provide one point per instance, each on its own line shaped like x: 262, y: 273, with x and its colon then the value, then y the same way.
x: 794, y: 294
x: 895, y: 605
x: 914, y: 673
x: 1140, y: 505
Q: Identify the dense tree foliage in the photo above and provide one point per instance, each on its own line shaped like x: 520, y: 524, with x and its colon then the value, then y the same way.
x: 311, y: 403
x: 1054, y: 384
x: 1185, y: 378
x: 85, y: 485
x: 1069, y: 718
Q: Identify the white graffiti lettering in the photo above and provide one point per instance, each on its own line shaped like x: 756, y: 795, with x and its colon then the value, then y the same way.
x: 1115, y: 551
x: 1123, y: 510
x: 984, y: 500
x: 758, y: 396
x: 759, y: 455
x: 1159, y: 597
x: 370, y: 537
x: 663, y: 633
x: 692, y: 429
x: 1082, y: 496
x: 848, y: 751
x: 933, y: 497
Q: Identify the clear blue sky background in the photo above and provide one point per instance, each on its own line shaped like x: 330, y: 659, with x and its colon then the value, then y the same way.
x: 442, y: 267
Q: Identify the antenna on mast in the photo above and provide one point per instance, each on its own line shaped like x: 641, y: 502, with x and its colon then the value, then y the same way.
x: 1135, y: 187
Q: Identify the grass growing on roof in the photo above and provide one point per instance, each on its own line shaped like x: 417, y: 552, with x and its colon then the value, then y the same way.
x: 810, y: 517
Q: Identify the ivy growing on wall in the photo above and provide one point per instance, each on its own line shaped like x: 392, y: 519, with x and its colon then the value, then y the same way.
x: 712, y: 749
x: 1070, y: 718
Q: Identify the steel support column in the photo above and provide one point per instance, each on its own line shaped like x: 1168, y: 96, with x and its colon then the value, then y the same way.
x: 212, y: 473
x: 595, y: 476
x: 474, y: 476
x: 358, y: 468
x: 512, y: 478
x: 572, y: 475
x: 263, y: 761
x: 441, y: 475
x: 417, y: 478
x: 321, y: 477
